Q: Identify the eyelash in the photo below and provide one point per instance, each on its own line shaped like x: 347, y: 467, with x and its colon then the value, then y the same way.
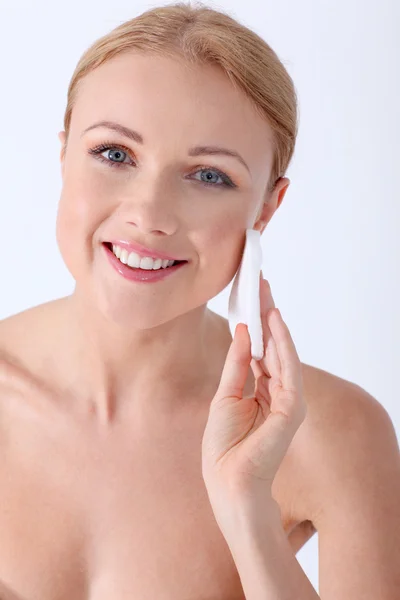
x: 98, y: 150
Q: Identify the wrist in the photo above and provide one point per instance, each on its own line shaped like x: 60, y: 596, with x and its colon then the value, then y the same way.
x: 250, y: 523
x: 254, y: 535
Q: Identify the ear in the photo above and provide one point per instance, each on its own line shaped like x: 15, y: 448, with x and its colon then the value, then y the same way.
x: 62, y: 138
x: 272, y: 201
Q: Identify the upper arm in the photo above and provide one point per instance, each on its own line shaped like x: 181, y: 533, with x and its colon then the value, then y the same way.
x: 355, y: 477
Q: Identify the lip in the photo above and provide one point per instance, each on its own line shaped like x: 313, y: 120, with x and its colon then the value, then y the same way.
x: 143, y: 275
x: 142, y: 250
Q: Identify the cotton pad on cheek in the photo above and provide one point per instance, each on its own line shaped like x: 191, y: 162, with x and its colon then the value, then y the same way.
x: 244, y: 299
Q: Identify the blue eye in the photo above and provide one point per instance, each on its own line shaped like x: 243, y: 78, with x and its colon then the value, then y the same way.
x: 224, y: 178
x: 97, y: 152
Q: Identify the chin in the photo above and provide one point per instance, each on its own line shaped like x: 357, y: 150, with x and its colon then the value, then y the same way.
x: 130, y: 312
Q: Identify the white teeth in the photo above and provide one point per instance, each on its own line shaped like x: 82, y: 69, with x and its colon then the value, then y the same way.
x: 157, y: 263
x: 134, y: 260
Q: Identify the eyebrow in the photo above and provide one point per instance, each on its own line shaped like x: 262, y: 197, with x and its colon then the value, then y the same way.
x: 137, y: 137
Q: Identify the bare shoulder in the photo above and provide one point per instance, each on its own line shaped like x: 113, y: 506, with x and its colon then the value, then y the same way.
x: 24, y: 338
x: 346, y: 432
x: 337, y: 406
x: 352, y: 487
x: 14, y: 343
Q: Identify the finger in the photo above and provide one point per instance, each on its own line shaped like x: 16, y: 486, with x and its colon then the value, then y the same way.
x: 262, y: 366
x: 236, y: 368
x: 257, y: 370
x: 270, y: 361
x: 291, y: 376
x: 265, y: 288
x: 259, y: 367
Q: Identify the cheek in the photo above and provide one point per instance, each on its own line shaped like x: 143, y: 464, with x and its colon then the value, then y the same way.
x: 75, y: 224
x: 220, y: 253
x: 65, y: 233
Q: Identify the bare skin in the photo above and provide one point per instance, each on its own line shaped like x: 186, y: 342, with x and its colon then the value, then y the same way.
x: 123, y: 339
x: 105, y: 393
x: 93, y: 513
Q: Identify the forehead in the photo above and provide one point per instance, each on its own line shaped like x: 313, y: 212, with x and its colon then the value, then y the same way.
x: 166, y: 98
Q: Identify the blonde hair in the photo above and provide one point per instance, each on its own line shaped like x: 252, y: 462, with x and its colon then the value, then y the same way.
x: 202, y: 35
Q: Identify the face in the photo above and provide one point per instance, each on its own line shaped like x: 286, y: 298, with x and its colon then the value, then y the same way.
x: 154, y: 193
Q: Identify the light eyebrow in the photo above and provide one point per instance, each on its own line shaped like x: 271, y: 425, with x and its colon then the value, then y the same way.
x: 138, y: 138
x: 121, y: 129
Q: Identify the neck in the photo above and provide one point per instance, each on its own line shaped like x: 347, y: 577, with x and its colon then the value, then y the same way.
x: 109, y: 369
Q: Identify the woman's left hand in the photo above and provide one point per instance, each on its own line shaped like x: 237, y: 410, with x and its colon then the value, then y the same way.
x: 246, y: 439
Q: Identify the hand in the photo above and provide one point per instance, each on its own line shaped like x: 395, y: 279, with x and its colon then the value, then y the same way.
x: 246, y: 439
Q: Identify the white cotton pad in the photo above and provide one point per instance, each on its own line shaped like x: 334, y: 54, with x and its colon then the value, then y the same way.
x: 244, y: 300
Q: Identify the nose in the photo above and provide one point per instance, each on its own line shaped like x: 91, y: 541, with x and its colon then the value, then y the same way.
x: 153, y: 212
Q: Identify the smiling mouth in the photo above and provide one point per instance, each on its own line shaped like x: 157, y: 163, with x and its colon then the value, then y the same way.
x: 176, y: 262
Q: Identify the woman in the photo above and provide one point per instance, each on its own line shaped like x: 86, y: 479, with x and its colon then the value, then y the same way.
x: 109, y: 489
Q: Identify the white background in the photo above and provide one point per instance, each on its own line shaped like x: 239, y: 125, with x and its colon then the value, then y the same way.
x: 331, y: 251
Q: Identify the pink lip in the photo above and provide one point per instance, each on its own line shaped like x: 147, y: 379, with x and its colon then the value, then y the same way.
x: 142, y: 250
x: 142, y: 275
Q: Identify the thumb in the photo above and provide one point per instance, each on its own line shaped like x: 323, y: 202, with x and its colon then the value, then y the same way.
x: 234, y: 373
